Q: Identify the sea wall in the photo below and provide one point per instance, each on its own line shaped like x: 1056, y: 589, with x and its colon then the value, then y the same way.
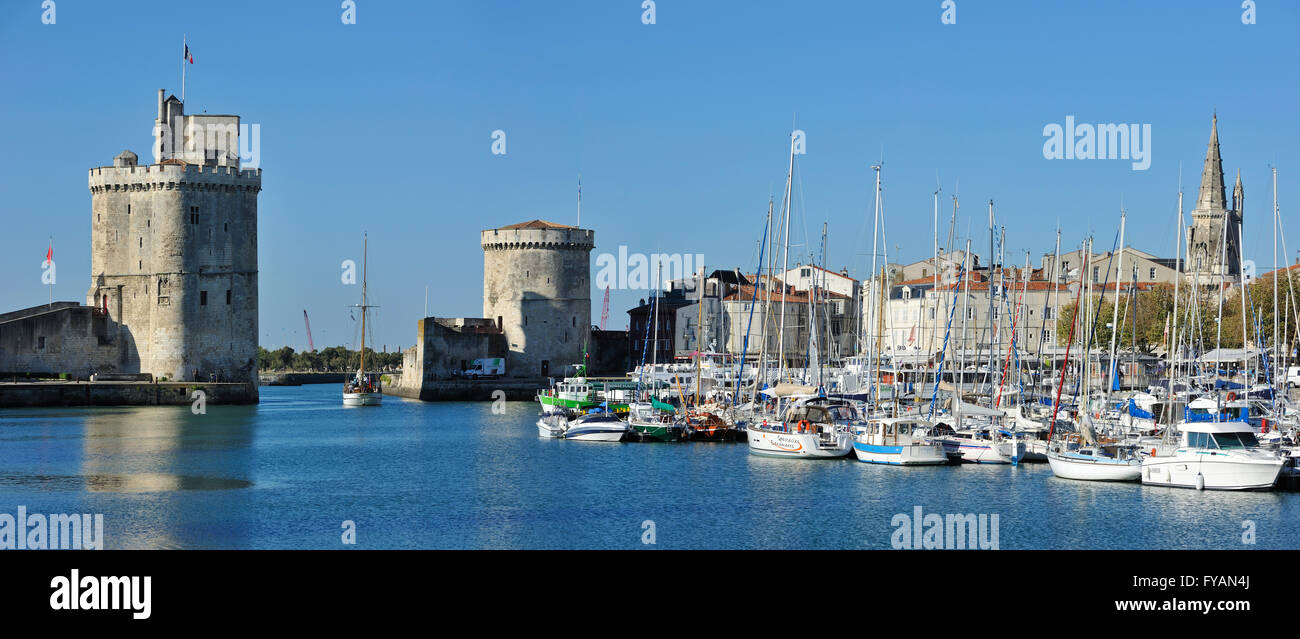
x: 122, y: 393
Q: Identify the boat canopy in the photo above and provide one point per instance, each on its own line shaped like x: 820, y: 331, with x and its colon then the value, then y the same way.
x: 785, y: 389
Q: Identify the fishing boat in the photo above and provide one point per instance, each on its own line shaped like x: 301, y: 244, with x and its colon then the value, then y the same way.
x: 897, y: 441
x: 596, y: 426
x: 811, y: 428
x: 573, y: 393
x: 1214, y: 456
x: 363, y: 389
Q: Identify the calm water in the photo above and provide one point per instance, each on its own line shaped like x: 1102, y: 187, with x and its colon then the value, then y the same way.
x: 286, y: 473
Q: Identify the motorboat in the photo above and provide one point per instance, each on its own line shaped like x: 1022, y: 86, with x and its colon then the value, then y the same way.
x: 897, y: 441
x: 1214, y: 456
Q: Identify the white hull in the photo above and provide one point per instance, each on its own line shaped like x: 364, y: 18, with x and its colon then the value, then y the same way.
x: 362, y: 399
x: 551, y: 425
x: 988, y: 452
x: 907, y: 455
x: 580, y: 434
x: 1102, y: 469
x: 801, y: 445
x: 1201, y: 469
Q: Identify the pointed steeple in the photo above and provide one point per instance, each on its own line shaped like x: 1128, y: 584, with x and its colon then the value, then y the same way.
x: 1211, y: 196
x: 1238, y: 194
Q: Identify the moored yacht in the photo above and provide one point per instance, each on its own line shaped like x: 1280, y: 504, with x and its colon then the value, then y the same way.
x: 897, y: 441
x: 811, y: 428
x: 1215, y: 456
x: 596, y: 426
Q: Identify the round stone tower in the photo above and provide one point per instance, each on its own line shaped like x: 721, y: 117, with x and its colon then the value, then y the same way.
x: 537, y: 288
x: 174, y: 264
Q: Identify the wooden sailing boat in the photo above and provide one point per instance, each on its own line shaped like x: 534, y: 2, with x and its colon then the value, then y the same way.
x: 362, y: 389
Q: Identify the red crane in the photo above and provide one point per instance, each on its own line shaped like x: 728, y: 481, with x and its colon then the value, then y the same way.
x: 310, y: 345
x: 604, y: 310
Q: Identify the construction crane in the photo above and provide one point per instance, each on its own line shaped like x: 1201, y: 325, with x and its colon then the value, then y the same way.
x: 310, y: 345
x: 604, y: 309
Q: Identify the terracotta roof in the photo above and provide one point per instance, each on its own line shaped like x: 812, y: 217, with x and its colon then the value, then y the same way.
x: 536, y: 224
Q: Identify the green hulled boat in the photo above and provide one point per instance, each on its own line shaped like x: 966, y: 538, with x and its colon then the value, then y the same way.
x: 655, y: 420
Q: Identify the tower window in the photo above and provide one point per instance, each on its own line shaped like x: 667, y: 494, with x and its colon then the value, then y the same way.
x: 141, y: 241
x: 227, y: 296
x: 203, y: 298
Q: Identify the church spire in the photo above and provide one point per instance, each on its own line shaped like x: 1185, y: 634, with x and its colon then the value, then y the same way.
x: 1211, y: 196
x: 1238, y: 195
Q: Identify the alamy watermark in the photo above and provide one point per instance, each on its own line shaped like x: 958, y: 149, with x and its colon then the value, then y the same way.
x: 635, y: 270
x: 1098, y: 142
x: 196, y: 142
x: 56, y: 531
x: 932, y: 531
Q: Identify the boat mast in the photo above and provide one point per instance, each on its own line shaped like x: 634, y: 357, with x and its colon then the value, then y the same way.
x: 760, y: 370
x: 365, y: 246
x: 699, y: 332
x: 1173, y: 328
x: 1114, y: 317
x: 785, y: 259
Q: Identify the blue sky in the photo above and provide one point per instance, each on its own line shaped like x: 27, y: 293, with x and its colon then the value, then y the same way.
x: 679, y: 129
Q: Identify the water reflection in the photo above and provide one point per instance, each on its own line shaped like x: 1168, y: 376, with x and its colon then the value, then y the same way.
x: 149, y: 461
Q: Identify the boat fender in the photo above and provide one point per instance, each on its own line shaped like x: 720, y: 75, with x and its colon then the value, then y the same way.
x: 1153, y: 452
x: 1200, y: 481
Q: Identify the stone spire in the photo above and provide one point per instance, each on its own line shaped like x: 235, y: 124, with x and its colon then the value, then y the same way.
x: 1238, y: 194
x: 1211, y: 197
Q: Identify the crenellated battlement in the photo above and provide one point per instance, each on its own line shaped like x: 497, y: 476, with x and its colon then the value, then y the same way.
x: 561, y: 239
x: 186, y: 177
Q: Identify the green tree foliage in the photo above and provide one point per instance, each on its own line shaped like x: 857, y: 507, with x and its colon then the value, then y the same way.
x: 330, y: 359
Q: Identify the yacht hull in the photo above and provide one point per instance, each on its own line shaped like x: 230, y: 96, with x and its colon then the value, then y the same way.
x: 1094, y: 469
x: 1200, y: 470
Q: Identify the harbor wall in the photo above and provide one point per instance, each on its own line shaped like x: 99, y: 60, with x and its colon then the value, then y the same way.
x: 469, y: 390
x: 31, y: 394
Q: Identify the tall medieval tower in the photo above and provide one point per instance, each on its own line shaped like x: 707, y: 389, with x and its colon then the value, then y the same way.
x: 537, y: 288
x: 174, y: 251
x: 1214, y: 239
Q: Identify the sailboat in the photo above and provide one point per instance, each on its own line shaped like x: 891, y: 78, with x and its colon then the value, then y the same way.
x: 362, y: 389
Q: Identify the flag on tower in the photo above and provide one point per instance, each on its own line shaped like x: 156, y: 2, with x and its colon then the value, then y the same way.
x: 187, y: 54
x: 49, y: 253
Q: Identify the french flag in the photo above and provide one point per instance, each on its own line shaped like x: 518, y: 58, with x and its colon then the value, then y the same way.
x: 187, y: 54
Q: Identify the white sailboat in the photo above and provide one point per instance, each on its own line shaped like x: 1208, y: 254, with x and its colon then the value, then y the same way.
x: 362, y: 389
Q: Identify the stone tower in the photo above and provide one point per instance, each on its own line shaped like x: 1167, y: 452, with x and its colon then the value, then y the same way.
x: 537, y: 288
x: 174, y: 251
x: 1208, y: 258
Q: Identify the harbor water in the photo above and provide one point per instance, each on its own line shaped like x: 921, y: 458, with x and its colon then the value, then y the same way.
x: 288, y: 473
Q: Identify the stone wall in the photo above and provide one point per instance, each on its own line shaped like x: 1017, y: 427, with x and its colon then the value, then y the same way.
x: 61, y: 338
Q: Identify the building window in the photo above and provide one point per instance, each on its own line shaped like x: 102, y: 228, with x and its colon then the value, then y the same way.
x: 227, y: 296
x: 203, y: 298
x: 1095, y: 271
x: 1153, y: 274
x: 194, y: 215
x: 40, y: 343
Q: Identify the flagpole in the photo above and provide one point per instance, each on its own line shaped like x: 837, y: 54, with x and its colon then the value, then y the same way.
x: 50, y: 264
x: 184, y: 47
